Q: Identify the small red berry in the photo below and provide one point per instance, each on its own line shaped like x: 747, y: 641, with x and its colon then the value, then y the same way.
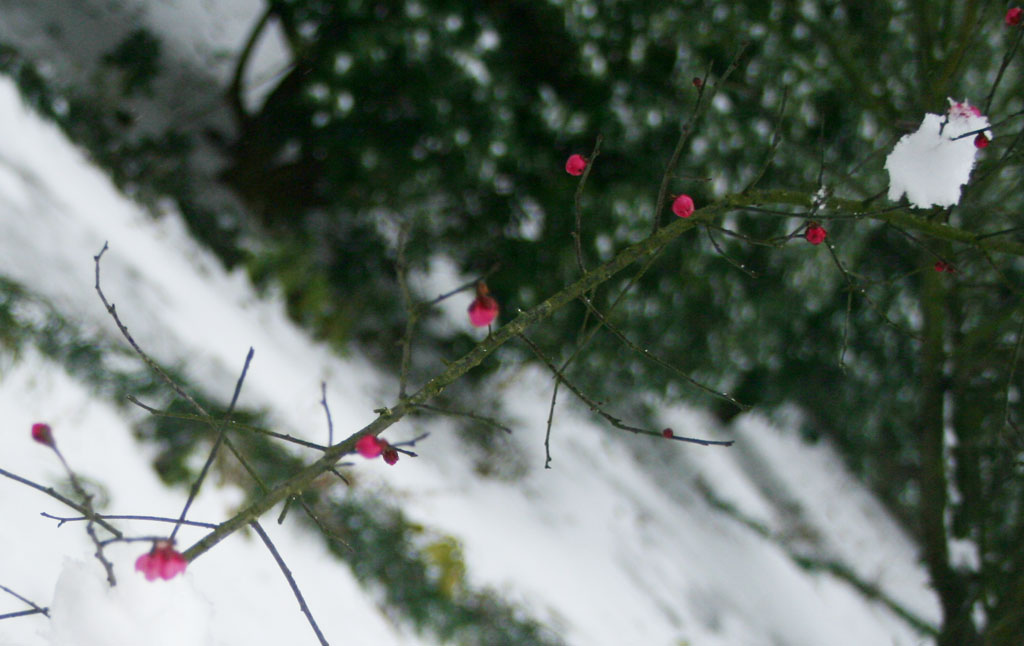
x: 981, y: 141
x: 484, y: 309
x: 667, y: 434
x: 43, y: 434
x: 698, y: 82
x: 370, y: 446
x: 815, y: 234
x: 576, y: 164
x: 683, y: 206
x: 1013, y: 16
x: 390, y: 455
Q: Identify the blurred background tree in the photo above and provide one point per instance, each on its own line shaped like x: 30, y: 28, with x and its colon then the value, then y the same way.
x: 453, y: 119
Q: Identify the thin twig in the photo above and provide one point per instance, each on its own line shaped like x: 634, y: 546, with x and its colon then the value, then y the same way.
x: 577, y: 201
x: 1007, y: 282
x: 867, y: 297
x: 35, y: 608
x: 135, y: 346
x: 49, y: 491
x: 231, y: 424
x: 1013, y: 369
x: 291, y: 580
x: 490, y: 421
x: 470, y: 284
x: 90, y: 513
x: 698, y: 109
x: 24, y: 613
x: 411, y: 312
x: 846, y: 330
x: 327, y: 411
x: 595, y: 407
x: 658, y: 360
x: 222, y: 431
x: 1007, y: 57
x: 721, y: 252
x: 773, y: 147
x: 580, y: 345
x: 155, y: 519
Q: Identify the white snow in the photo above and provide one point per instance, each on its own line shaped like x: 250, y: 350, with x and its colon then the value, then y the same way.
x: 615, y: 545
x: 88, y: 612
x: 932, y: 164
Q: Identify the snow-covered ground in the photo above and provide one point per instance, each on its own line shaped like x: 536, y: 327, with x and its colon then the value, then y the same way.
x: 615, y: 545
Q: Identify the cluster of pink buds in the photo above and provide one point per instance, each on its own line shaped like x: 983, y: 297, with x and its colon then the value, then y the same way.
x: 371, y: 446
x: 161, y: 562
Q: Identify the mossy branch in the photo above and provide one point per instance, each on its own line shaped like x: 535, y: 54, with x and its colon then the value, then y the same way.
x: 592, y: 279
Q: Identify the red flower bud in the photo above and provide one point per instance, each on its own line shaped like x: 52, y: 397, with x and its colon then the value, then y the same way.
x: 390, y: 456
x: 370, y: 446
x: 575, y: 164
x: 484, y: 309
x: 942, y: 265
x: 981, y: 141
x: 43, y: 434
x: 815, y: 234
x: 667, y: 434
x: 1013, y: 16
x: 683, y: 206
x: 698, y: 82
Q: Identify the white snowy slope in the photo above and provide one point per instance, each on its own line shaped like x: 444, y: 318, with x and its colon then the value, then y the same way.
x: 615, y: 545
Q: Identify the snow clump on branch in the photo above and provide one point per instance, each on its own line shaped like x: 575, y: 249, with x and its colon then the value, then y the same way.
x: 931, y: 165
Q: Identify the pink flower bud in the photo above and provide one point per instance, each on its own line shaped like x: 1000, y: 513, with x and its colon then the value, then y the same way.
x: 161, y: 562
x: 575, y: 164
x: 667, y: 434
x: 815, y: 234
x: 370, y: 446
x: 981, y: 141
x: 43, y: 434
x: 484, y: 309
x: 1013, y: 16
x: 390, y: 456
x: 683, y: 206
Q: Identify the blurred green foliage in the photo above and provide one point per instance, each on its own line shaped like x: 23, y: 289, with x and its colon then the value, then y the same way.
x: 421, y: 575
